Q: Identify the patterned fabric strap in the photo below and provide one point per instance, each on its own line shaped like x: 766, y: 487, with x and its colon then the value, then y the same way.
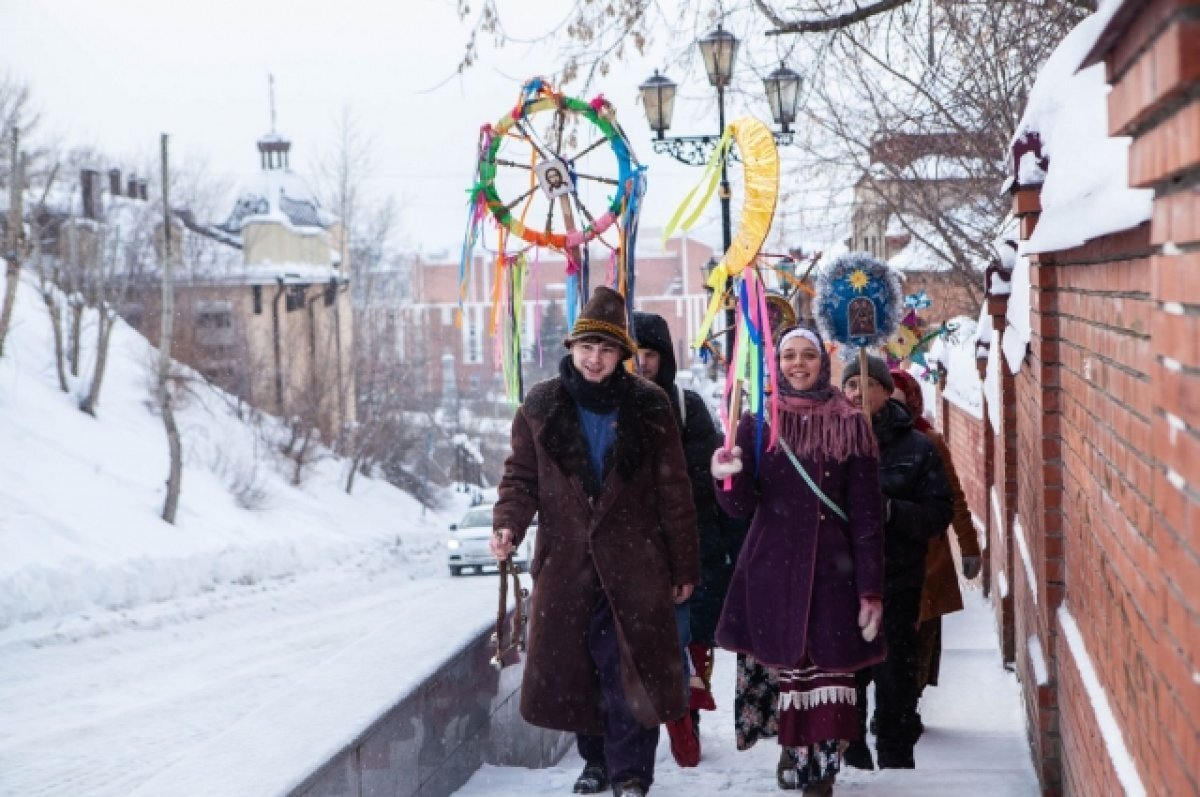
x: 837, y: 510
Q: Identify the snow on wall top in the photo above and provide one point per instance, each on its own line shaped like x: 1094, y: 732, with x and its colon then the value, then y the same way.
x: 1062, y: 142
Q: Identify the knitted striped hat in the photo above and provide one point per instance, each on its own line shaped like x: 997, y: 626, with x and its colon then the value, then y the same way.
x: 604, y: 317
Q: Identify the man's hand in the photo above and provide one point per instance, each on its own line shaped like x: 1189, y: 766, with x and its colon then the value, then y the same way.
x: 501, y: 544
x: 971, y: 565
x: 870, y: 615
x: 725, y: 463
x: 683, y: 592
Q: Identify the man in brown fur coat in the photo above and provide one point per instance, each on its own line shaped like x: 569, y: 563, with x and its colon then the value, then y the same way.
x: 597, y: 455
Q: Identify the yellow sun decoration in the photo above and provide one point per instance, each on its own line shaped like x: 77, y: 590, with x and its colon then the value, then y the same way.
x: 859, y: 280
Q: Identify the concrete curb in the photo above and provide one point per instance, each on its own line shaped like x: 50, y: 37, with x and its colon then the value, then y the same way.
x: 431, y: 742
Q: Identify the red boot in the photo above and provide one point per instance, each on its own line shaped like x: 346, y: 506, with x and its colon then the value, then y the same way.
x: 685, y: 743
x: 700, y: 697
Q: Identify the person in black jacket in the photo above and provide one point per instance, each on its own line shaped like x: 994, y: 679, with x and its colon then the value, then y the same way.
x: 720, y: 535
x: 918, y: 506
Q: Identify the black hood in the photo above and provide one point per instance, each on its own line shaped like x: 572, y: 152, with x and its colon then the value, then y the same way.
x: 651, y: 332
x: 893, y: 421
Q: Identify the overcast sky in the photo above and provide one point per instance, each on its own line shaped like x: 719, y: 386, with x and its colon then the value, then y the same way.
x: 116, y: 74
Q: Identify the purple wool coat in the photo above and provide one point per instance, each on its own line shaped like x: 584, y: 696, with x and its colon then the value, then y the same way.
x: 795, y: 589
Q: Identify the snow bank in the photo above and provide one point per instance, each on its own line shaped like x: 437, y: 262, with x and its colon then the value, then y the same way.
x: 957, y: 356
x: 1018, y: 318
x: 1085, y: 193
x: 80, y: 497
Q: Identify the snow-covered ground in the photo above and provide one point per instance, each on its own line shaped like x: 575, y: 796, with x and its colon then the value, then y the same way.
x: 974, y: 741
x: 234, y: 651
x: 129, y: 645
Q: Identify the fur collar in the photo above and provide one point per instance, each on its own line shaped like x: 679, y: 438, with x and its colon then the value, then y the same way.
x: 639, y: 430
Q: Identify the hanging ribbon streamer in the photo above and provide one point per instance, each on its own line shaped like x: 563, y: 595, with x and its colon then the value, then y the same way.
x: 516, y: 274
x: 698, y: 198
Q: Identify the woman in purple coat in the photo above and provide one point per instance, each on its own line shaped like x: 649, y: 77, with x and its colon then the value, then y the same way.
x: 805, y: 598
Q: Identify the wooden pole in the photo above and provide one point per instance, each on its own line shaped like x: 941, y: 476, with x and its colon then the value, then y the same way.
x: 13, y: 252
x: 862, y: 380
x: 175, y: 476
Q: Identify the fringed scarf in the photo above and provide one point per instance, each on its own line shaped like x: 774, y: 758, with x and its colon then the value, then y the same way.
x: 821, y: 423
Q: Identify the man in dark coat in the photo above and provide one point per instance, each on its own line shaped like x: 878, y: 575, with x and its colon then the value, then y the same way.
x: 919, y: 506
x: 720, y: 535
x: 597, y: 455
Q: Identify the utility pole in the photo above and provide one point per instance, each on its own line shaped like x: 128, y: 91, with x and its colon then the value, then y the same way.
x: 12, y: 250
x: 175, y: 478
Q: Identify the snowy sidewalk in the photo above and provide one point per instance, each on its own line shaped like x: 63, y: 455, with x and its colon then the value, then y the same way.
x: 974, y: 741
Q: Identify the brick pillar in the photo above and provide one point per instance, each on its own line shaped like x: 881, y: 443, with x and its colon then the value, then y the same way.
x: 1002, y: 489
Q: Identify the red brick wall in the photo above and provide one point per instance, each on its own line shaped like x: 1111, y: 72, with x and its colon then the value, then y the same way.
x: 1097, y: 461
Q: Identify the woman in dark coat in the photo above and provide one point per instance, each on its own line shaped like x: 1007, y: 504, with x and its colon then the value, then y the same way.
x: 805, y: 597
x: 596, y: 454
x: 941, y: 594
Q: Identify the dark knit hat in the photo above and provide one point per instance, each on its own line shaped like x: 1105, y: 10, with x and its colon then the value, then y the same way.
x: 876, y: 369
x: 604, y: 317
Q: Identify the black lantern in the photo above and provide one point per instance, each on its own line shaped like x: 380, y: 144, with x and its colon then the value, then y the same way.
x: 783, y: 93
x: 658, y: 98
x: 719, y: 50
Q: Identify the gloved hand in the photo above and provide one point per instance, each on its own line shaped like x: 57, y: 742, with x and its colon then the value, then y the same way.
x: 971, y: 566
x: 870, y: 615
x: 725, y: 463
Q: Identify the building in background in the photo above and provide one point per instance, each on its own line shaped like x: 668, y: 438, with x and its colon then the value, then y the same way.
x: 262, y: 298
x: 669, y: 282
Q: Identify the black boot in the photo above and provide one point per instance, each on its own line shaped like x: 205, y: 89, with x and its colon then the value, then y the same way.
x: 593, y: 780
x: 786, y: 774
x: 858, y: 755
x: 819, y: 788
x: 630, y: 788
x: 896, y: 758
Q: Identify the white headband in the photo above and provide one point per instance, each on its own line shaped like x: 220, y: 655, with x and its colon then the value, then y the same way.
x: 801, y: 332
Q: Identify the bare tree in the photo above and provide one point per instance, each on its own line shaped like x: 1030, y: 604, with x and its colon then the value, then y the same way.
x: 165, y: 398
x: 949, y: 77
x: 119, y: 252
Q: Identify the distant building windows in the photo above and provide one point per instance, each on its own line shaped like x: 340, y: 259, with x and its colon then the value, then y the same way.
x: 256, y: 295
x: 472, y: 335
x: 295, y: 297
x: 214, y: 326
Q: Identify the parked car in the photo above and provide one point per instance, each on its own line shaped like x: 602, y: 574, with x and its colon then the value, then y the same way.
x: 467, y: 547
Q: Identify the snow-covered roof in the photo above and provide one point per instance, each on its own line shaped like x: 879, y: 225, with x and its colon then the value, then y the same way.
x: 1063, y: 140
x: 279, y: 195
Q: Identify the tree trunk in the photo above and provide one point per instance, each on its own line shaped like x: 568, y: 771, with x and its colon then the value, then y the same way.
x: 355, y: 463
x: 13, y: 250
x: 55, y: 313
x: 301, y: 458
x: 105, y: 323
x: 175, y: 476
x: 76, y: 332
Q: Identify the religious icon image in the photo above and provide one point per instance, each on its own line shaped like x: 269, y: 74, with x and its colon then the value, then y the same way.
x: 553, y: 178
x: 862, y: 317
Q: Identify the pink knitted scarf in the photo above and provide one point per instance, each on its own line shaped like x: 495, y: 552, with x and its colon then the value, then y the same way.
x: 830, y: 429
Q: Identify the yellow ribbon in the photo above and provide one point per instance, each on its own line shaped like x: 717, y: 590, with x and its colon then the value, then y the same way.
x: 717, y: 283
x: 707, y: 186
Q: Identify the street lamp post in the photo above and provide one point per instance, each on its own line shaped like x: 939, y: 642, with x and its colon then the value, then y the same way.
x: 719, y: 52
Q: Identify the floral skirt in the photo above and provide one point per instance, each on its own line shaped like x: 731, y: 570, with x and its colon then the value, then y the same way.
x: 805, y: 707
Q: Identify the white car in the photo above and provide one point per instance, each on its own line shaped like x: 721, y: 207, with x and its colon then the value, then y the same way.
x: 467, y: 547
